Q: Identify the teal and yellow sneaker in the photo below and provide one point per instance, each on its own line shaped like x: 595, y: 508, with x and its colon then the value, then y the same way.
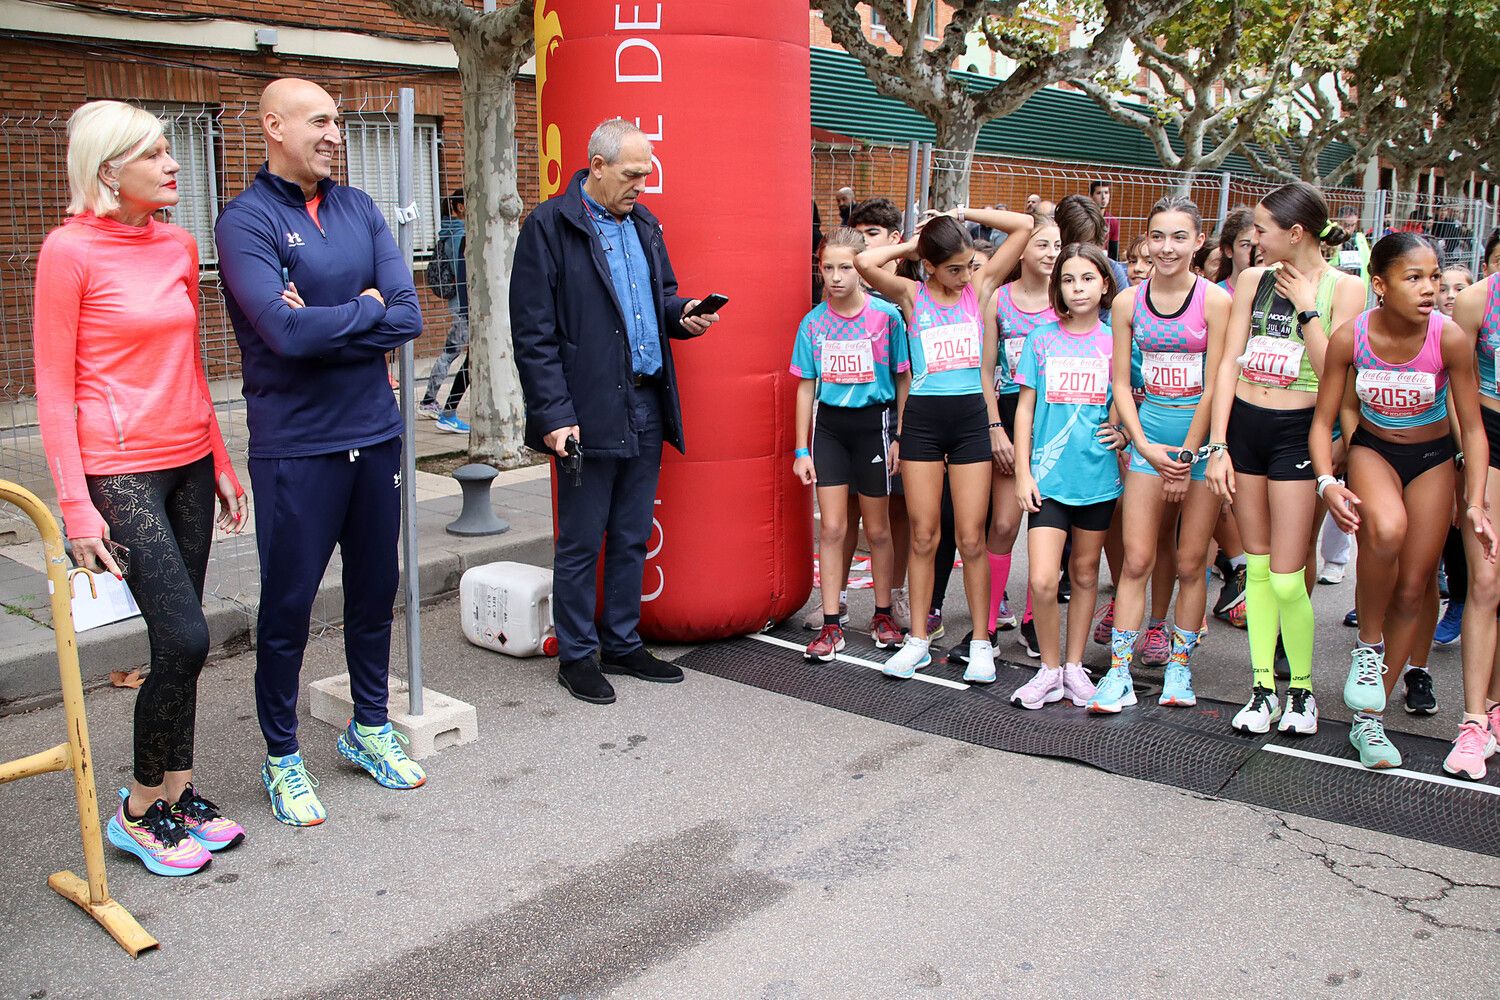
x: 293, y: 800
x: 1367, y: 735
x: 378, y: 750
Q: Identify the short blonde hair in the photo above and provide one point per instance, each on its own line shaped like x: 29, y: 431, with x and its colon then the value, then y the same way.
x: 99, y: 133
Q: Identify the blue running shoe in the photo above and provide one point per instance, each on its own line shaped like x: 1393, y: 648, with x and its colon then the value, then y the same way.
x: 449, y: 422
x: 1450, y: 625
x: 379, y: 752
x: 1115, y: 691
x: 1177, y: 686
x: 290, y: 787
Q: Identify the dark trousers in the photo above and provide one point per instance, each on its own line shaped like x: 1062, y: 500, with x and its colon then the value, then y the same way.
x: 615, y: 499
x: 303, y: 508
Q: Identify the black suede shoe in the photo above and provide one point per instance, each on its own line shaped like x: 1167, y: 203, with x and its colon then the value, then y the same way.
x: 585, y: 681
x: 640, y: 663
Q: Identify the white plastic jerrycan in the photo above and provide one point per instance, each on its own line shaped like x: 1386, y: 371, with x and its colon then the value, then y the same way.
x: 507, y: 607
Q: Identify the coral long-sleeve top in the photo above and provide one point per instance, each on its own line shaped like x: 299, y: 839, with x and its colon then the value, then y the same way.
x: 119, y: 377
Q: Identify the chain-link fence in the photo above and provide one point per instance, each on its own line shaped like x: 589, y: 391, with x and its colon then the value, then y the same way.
x: 905, y: 174
x: 219, y: 148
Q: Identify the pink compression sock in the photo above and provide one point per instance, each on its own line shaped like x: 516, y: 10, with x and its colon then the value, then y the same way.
x: 999, y: 575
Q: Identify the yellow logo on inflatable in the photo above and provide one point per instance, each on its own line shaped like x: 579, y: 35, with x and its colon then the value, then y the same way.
x: 549, y: 34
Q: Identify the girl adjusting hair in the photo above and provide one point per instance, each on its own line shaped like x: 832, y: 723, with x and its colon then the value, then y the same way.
x: 1263, y: 403
x: 949, y: 419
x: 850, y: 353
x: 116, y: 336
x: 1477, y: 313
x: 1177, y: 321
x: 1067, y: 473
x: 1411, y: 364
x: 1021, y: 306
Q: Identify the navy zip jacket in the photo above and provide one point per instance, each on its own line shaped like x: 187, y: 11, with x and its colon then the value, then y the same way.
x: 315, y: 378
x: 569, y: 330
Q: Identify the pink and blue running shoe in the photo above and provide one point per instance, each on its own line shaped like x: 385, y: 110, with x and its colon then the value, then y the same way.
x: 163, y: 844
x: 203, y: 821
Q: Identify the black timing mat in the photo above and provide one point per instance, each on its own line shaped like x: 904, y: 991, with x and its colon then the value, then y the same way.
x: 1190, y: 748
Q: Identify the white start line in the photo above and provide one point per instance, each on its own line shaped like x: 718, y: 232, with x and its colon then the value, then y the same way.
x: 1436, y: 779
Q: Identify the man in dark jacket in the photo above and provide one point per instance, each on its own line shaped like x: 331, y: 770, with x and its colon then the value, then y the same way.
x: 593, y: 303
x: 317, y: 293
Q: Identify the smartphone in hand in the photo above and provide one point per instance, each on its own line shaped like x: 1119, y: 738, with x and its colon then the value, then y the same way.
x: 709, y: 304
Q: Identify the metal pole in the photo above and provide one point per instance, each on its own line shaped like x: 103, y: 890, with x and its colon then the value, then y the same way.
x: 926, y: 178
x: 1377, y: 225
x: 911, y: 188
x: 406, y: 145
x: 1223, y: 199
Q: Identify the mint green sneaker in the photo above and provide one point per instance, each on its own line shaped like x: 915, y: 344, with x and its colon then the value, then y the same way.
x: 378, y: 751
x: 290, y: 786
x: 1367, y: 735
x: 1364, y: 690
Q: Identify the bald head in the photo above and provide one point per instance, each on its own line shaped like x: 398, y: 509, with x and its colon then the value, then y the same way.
x: 301, y: 123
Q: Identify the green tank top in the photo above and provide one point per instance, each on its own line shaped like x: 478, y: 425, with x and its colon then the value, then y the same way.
x: 1273, y: 316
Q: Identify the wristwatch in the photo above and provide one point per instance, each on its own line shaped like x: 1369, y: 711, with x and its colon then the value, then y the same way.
x: 1185, y: 455
x: 1307, y: 316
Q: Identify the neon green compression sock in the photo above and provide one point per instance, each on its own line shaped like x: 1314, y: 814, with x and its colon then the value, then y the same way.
x: 1296, y: 625
x: 1261, y: 618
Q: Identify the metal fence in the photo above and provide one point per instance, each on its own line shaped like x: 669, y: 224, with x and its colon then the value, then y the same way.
x: 906, y: 175
x: 220, y: 148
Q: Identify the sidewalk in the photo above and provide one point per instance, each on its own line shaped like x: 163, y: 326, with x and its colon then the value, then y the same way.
x: 28, y: 656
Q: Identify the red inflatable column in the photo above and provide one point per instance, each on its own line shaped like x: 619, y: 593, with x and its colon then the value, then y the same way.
x: 721, y: 88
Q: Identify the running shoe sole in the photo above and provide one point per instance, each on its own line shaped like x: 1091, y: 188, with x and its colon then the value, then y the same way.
x: 1051, y: 697
x: 1187, y: 702
x: 1099, y: 708
x: 127, y: 843
x: 925, y: 661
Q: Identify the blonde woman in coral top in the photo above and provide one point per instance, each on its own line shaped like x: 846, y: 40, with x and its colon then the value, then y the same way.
x: 134, y: 448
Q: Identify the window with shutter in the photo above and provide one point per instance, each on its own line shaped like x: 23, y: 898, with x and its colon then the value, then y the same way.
x: 192, y: 140
x: 370, y: 155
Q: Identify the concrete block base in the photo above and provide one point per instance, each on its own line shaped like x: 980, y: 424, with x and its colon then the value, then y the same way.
x: 445, y: 722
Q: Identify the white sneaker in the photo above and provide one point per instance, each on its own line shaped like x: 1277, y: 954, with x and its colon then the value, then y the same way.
x: 1301, y: 716
x: 910, y: 658
x: 1043, y: 689
x: 981, y: 669
x: 1331, y: 573
x: 901, y: 609
x: 1259, y: 712
x: 1078, y: 687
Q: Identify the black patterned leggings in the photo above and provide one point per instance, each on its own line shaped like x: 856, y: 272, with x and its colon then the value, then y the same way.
x: 165, y: 519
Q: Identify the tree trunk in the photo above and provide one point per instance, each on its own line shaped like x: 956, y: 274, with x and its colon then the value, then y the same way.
x: 492, y: 221
x: 957, y: 138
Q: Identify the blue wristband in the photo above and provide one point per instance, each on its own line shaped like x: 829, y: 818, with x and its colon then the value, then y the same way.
x: 802, y: 453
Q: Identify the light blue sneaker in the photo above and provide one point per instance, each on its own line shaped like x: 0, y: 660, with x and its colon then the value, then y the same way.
x: 449, y: 422
x: 1116, y: 690
x: 1177, y: 686
x: 1367, y: 735
x: 911, y: 657
x: 1451, y: 625
x: 1364, y: 691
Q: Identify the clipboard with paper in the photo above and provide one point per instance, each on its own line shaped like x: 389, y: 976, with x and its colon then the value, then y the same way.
x: 99, y: 599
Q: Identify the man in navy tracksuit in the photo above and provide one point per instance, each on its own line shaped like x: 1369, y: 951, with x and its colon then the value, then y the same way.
x: 318, y: 293
x: 593, y: 301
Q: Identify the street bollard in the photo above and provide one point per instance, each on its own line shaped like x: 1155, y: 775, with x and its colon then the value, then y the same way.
x: 477, y: 516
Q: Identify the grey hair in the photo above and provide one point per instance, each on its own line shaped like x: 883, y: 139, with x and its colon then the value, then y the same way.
x: 610, y: 135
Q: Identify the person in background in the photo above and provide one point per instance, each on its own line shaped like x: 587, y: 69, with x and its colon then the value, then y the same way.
x: 1099, y: 191
x: 318, y: 294
x: 448, y: 277
x: 1081, y: 220
x: 116, y: 341
x: 846, y: 200
x: 1032, y: 203
x: 1138, y: 259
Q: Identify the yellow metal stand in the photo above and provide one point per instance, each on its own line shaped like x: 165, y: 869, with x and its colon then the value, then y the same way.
x: 92, y: 895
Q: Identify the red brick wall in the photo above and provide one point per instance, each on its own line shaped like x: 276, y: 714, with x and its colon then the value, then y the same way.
x: 46, y: 80
x: 370, y: 16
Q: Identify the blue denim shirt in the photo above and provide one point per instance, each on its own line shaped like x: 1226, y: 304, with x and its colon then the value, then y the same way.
x: 631, y: 276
